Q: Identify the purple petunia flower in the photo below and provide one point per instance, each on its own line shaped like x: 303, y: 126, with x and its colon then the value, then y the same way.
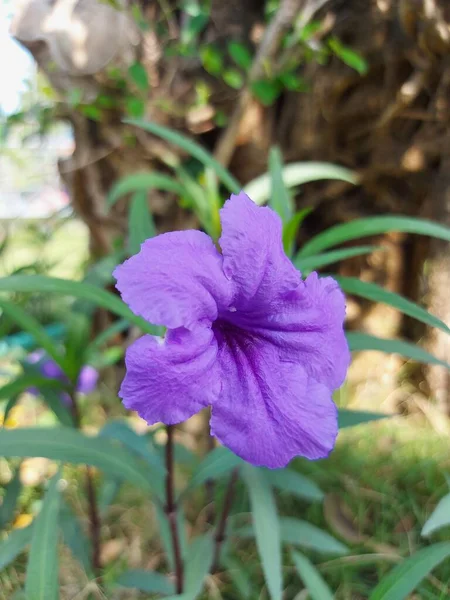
x: 48, y: 368
x: 245, y: 334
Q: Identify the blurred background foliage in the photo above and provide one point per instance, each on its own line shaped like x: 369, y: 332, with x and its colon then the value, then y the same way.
x: 141, y: 118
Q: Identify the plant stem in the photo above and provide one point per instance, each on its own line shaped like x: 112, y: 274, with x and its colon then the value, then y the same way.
x: 219, y: 538
x: 170, y: 510
x: 94, y: 517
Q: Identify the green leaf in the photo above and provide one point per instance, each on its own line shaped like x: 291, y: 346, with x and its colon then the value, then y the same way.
x: 42, y: 570
x: 240, y: 54
x: 198, y: 563
x: 440, y: 517
x: 215, y: 465
x: 147, y: 581
x: 212, y: 59
x: 23, y: 382
x: 351, y: 418
x: 233, y: 78
x: 301, y: 533
x: 139, y: 444
x: 406, y: 576
x: 28, y: 323
x: 359, y: 341
x: 75, y: 538
x: 14, y: 544
x: 138, y: 74
x: 239, y: 576
x: 295, y: 174
x: 348, y: 56
x: 312, y: 263
x: 266, y: 525
x: 192, y: 149
x: 266, y: 91
x: 166, y: 537
x: 141, y: 225
x: 369, y: 226
x: 85, y: 291
x: 135, y: 107
x: 9, y: 505
x: 106, y: 335
x: 280, y: 199
x: 374, y: 292
x: 313, y: 580
x: 294, y: 483
x: 291, y: 228
x: 108, y: 493
x: 68, y: 445
x: 55, y: 403
x: 138, y: 182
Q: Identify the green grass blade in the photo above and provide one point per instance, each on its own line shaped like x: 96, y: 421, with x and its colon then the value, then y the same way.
x: 81, y: 290
x: 192, y: 148
x: 75, y: 538
x: 312, y: 263
x: 143, y: 182
x: 266, y: 525
x: 14, y: 544
x: 42, y: 570
x: 375, y: 293
x: 8, y: 506
x: 141, y: 226
x: 295, y: 174
x: 351, y: 418
x: 360, y: 228
x: 440, y: 517
x: 198, y: 563
x: 67, y: 445
x: 215, y: 465
x: 312, y: 579
x: 150, y: 582
x: 291, y: 228
x: 280, y: 200
x: 405, y: 577
x: 359, y: 341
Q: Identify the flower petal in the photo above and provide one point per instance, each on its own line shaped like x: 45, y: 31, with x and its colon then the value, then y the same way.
x: 306, y: 325
x: 269, y: 411
x: 87, y: 380
x: 175, y: 280
x: 170, y: 380
x: 253, y: 253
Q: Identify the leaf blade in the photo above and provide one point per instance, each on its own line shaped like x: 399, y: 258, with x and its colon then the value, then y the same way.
x: 311, y: 577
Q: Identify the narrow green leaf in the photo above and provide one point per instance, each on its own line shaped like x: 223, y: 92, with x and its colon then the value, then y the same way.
x: 359, y: 341
x: 166, y: 537
x: 141, y: 226
x: 215, y: 465
x: 28, y: 323
x: 240, y: 54
x: 138, y: 182
x: 280, y: 199
x: 14, y: 544
x: 192, y: 148
x: 106, y: 335
x: 72, y: 446
x: 440, y: 517
x: 348, y: 56
x: 23, y: 382
x: 85, y: 291
x: 55, y: 403
x: 266, y: 525
x: 360, y: 228
x: 147, y: 581
x: 9, y: 505
x: 239, y: 576
x: 294, y: 483
x: 75, y: 538
x: 312, y: 263
x: 351, y: 418
x: 42, y: 571
x: 295, y: 174
x: 313, y: 580
x: 266, y: 90
x: 291, y: 228
x: 198, y: 563
x: 374, y: 292
x: 108, y: 493
x: 406, y: 576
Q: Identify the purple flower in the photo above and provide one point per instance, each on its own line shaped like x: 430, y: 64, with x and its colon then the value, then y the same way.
x: 245, y: 334
x: 46, y: 366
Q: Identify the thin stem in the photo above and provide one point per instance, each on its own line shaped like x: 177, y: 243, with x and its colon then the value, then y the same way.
x: 170, y: 510
x: 94, y: 517
x: 219, y: 538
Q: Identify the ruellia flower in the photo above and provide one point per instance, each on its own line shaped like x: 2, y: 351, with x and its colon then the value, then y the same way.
x: 49, y: 369
x: 245, y: 335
